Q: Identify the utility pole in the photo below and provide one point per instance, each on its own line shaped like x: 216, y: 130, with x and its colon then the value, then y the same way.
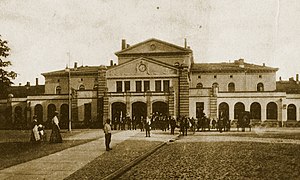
x: 69, y: 95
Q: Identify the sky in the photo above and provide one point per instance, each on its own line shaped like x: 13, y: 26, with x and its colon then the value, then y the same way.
x: 40, y: 33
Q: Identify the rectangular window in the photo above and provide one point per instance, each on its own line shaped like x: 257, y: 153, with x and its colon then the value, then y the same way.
x: 119, y: 86
x: 166, y: 84
x: 146, y: 86
x: 157, y: 86
x: 138, y: 86
x: 127, y: 86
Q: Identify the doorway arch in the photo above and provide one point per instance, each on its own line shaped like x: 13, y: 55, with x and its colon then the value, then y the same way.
x: 64, y: 116
x: 38, y: 111
x: 118, y: 109
x: 238, y: 108
x: 160, y: 108
x: 224, y: 107
x: 139, y: 110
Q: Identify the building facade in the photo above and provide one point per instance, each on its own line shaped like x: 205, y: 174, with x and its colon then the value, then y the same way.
x: 158, y: 77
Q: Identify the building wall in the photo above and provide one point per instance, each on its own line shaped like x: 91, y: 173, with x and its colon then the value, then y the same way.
x: 242, y: 81
x: 63, y: 81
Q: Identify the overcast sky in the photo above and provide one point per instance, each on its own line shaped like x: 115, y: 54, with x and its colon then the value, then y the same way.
x: 41, y: 32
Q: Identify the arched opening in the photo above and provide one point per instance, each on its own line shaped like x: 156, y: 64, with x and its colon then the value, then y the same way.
x: 19, y: 119
x: 238, y: 108
x: 291, y: 112
x: 118, y: 110
x: 64, y: 116
x: 139, y: 110
x: 260, y: 87
x: 224, y: 107
x: 50, y: 113
x: 231, y: 87
x: 38, y: 111
x: 58, y: 90
x: 160, y: 108
x: 255, y: 111
x: 272, y: 110
x: 199, y: 86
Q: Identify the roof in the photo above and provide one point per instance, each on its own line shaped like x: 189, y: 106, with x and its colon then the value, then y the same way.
x: 236, y: 66
x: 290, y: 87
x: 74, y: 71
x: 127, y: 50
x: 24, y: 91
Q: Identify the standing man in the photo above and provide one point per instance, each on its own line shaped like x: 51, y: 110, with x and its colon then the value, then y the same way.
x: 148, y: 126
x: 107, y: 132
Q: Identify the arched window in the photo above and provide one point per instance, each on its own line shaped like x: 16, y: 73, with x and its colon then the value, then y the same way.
x: 255, y: 111
x: 231, y: 87
x: 81, y: 87
x: 58, y: 90
x: 291, y: 112
x: 260, y: 87
x: 238, y: 108
x: 271, y: 110
x: 199, y: 85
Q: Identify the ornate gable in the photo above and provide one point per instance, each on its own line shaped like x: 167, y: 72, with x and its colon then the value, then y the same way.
x: 153, y: 46
x: 142, y: 67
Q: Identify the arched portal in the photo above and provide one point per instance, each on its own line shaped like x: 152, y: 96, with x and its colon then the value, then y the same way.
x: 118, y: 110
x: 50, y: 112
x: 272, y: 110
x: 255, y: 111
x: 238, y: 109
x: 139, y: 110
x: 224, y: 107
x: 64, y: 116
x: 291, y: 112
x: 38, y: 111
x: 160, y: 108
x: 19, y: 119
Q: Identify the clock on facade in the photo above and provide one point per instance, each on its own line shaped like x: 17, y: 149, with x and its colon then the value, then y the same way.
x: 142, y: 67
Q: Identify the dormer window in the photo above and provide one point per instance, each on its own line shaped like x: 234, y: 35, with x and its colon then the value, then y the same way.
x: 81, y: 87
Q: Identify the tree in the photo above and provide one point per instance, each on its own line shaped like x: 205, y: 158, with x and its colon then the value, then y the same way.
x: 6, y: 76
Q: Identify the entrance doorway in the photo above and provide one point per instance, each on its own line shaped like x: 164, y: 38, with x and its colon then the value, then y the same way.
x: 160, y: 108
x: 118, y: 110
x: 139, y: 110
x: 64, y: 116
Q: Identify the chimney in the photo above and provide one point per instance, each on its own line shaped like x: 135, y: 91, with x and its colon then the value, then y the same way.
x: 264, y: 64
x: 36, y: 81
x: 280, y: 78
x: 127, y: 45
x: 185, y: 43
x: 123, y: 44
x: 28, y: 83
x: 240, y: 62
x: 20, y: 84
x: 75, y: 65
x: 111, y: 62
x: 297, y: 77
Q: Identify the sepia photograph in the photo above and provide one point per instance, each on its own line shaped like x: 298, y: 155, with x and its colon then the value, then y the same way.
x: 161, y: 89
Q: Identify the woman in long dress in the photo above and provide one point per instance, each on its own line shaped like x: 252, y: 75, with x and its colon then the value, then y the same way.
x: 55, y: 134
x: 35, y: 136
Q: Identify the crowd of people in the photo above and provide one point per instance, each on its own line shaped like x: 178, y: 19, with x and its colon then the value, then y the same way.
x: 158, y: 121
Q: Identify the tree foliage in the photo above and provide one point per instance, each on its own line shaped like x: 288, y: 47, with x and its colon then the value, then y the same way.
x: 6, y: 76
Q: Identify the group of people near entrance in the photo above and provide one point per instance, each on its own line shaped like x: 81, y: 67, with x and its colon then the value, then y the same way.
x: 38, y: 131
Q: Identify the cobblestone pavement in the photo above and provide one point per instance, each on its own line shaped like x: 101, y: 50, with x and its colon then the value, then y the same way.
x: 204, y: 156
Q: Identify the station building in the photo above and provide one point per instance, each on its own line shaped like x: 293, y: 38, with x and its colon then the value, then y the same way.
x: 155, y: 76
